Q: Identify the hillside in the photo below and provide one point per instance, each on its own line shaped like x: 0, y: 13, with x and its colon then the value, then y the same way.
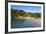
x: 21, y: 13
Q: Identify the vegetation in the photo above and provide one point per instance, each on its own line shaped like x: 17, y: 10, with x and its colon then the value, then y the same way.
x: 17, y: 13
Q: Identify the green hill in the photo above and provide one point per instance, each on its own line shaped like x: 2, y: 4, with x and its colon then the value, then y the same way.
x: 17, y: 13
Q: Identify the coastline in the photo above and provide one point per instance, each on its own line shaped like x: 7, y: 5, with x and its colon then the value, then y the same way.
x: 36, y: 20
x: 20, y: 17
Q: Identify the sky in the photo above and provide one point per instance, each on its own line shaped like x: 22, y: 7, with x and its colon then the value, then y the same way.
x: 33, y: 9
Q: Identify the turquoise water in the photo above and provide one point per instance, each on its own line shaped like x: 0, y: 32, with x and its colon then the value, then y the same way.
x: 23, y: 23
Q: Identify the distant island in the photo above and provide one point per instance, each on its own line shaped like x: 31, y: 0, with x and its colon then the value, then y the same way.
x: 21, y: 14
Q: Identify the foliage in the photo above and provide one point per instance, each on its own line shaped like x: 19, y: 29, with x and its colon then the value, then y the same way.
x: 16, y: 13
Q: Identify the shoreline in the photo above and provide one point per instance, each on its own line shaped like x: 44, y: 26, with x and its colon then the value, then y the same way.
x: 37, y: 20
x: 20, y: 17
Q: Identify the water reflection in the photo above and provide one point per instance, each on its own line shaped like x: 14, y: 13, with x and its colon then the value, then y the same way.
x: 23, y: 23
